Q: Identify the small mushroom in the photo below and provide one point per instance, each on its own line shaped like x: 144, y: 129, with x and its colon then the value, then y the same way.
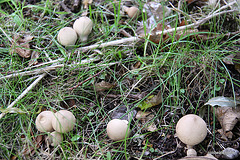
x: 191, y: 152
x: 63, y: 121
x: 83, y: 27
x: 118, y: 129
x: 191, y: 130
x: 67, y: 36
x: 55, y: 138
x: 132, y: 12
x: 44, y: 121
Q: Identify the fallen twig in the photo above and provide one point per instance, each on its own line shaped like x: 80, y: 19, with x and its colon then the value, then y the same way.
x: 112, y: 43
x: 47, y: 69
x: 24, y: 93
x: 198, y: 23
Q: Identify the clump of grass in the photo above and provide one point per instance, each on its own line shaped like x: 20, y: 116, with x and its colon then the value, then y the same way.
x: 187, y: 72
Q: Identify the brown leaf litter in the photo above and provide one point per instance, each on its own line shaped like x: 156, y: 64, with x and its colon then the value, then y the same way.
x: 21, y: 46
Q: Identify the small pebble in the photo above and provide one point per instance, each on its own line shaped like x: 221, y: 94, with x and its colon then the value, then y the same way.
x: 230, y: 153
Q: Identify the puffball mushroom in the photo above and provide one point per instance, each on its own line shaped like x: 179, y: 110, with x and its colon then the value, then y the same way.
x: 191, y: 130
x: 83, y: 27
x: 131, y: 11
x: 63, y: 121
x: 55, y: 138
x: 67, y: 36
x: 44, y: 121
x: 117, y: 129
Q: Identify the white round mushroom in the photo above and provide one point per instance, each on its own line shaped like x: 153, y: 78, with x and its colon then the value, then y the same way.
x: 63, y: 121
x: 44, y: 121
x: 191, y: 152
x: 118, y: 129
x: 191, y: 130
x: 83, y: 27
x: 67, y: 36
x: 55, y: 138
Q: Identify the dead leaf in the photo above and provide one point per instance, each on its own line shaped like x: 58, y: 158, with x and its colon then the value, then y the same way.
x: 151, y: 101
x: 21, y: 46
x: 34, y: 57
x: 227, y: 118
x: 236, y: 62
x: 156, y: 38
x: 183, y: 23
x: 155, y: 13
x: 156, y: 10
x: 229, y: 59
x: 68, y: 103
x: 222, y: 102
x: 123, y: 113
x: 136, y: 65
x: 227, y: 113
x: 145, y: 118
x: 103, y: 85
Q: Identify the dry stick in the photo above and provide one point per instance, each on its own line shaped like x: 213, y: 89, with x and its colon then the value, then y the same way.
x: 132, y: 39
x: 31, y: 67
x: 47, y: 69
x: 112, y: 43
x: 24, y: 92
x: 37, y: 71
x: 225, y: 6
x: 199, y: 22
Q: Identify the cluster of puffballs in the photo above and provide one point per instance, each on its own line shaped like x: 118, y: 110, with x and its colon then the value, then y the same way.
x: 190, y: 129
x: 82, y: 27
x: 57, y: 123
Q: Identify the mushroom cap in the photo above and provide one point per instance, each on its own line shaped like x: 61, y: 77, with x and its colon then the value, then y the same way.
x: 44, y: 121
x: 132, y: 12
x: 63, y: 121
x: 83, y: 27
x: 55, y: 138
x: 117, y: 129
x: 67, y: 36
x: 191, y: 129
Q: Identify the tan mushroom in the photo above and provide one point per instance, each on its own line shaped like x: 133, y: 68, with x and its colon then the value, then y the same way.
x: 83, y: 27
x: 191, y: 130
x: 63, y: 121
x: 118, y: 129
x: 55, y: 138
x: 67, y: 36
x: 44, y: 121
x: 132, y: 12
